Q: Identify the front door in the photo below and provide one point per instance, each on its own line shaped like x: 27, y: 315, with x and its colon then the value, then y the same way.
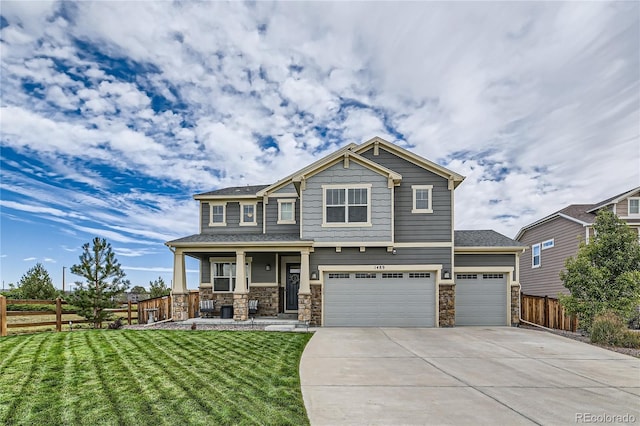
x: 292, y: 287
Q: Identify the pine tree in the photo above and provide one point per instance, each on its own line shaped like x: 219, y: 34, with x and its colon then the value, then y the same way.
x: 158, y: 288
x: 605, y: 274
x: 36, y: 284
x: 105, y: 281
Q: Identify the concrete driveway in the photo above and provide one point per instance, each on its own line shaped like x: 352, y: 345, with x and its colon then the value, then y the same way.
x: 470, y: 375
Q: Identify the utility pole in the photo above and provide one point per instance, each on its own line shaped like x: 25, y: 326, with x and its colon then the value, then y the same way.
x: 63, y: 268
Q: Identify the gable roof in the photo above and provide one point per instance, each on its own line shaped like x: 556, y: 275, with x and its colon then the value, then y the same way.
x: 483, y: 238
x: 411, y: 157
x: 231, y: 192
x: 613, y: 200
x: 584, y: 214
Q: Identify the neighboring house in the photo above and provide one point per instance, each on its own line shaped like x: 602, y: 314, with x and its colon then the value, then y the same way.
x: 362, y: 237
x: 554, y: 238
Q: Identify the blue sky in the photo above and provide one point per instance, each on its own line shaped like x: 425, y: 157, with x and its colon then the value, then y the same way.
x: 114, y: 114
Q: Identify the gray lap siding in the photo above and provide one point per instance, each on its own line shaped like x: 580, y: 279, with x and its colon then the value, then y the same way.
x: 482, y: 260
x: 232, y: 212
x: 380, y: 256
x: 272, y: 218
x: 415, y: 227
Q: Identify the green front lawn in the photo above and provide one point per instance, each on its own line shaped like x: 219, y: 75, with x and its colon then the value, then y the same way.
x: 128, y: 377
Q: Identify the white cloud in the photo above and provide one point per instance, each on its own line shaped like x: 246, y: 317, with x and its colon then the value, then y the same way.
x: 49, y: 260
x: 29, y: 259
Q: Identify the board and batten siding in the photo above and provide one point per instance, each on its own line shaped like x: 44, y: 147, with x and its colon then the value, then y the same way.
x: 417, y: 227
x: 380, y: 201
x: 232, y: 219
x: 545, y: 280
x: 272, y: 217
x: 493, y: 259
x: 380, y: 256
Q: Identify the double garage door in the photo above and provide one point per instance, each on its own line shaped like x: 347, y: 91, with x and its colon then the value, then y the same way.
x: 481, y: 299
x: 379, y: 299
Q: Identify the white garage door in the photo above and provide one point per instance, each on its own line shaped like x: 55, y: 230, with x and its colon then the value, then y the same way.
x: 481, y: 299
x: 376, y: 299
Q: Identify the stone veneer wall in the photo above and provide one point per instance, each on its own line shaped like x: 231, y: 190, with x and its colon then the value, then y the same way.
x: 241, y: 307
x: 267, y: 300
x: 180, y: 308
x: 447, y: 305
x: 316, y: 305
x: 206, y: 293
x: 515, y: 305
x: 304, y: 308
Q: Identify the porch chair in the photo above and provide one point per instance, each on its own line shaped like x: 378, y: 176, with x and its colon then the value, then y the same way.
x: 253, y: 307
x: 207, y: 307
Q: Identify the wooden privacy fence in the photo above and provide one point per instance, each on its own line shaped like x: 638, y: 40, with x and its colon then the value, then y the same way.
x: 58, y: 312
x: 547, y: 312
x: 161, y: 307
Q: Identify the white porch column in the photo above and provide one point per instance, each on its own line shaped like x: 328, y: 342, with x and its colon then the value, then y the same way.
x: 241, y: 276
x: 179, y: 285
x: 305, y: 287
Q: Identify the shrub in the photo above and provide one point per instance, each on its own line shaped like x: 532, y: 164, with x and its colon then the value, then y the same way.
x: 607, y: 329
x: 630, y: 339
x: 117, y: 324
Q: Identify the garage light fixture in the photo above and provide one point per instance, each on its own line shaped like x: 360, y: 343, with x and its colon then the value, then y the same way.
x: 267, y: 267
x: 446, y: 275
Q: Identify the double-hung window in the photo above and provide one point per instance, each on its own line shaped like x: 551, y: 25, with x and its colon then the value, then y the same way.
x: 347, y: 205
x: 286, y: 211
x: 248, y: 214
x: 535, y: 256
x: 634, y: 206
x: 422, y: 198
x: 223, y: 275
x: 217, y: 214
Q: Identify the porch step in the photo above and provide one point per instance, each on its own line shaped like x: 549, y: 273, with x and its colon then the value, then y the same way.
x: 280, y: 327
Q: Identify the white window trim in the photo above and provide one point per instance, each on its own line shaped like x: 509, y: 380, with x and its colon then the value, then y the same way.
x: 282, y: 201
x: 429, y: 208
x: 629, y: 206
x: 224, y: 214
x: 326, y: 224
x: 214, y: 260
x: 255, y: 214
x: 551, y: 242
x: 533, y: 265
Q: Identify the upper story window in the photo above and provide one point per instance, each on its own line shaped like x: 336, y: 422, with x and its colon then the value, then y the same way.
x: 548, y: 244
x: 286, y: 211
x: 634, y: 206
x: 217, y: 214
x: 422, y: 198
x: 346, y: 205
x: 248, y: 214
x: 535, y: 256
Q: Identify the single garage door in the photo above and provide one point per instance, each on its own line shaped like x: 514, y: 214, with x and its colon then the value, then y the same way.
x: 481, y: 299
x: 379, y: 299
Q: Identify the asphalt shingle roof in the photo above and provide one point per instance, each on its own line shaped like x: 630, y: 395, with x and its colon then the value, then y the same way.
x: 483, y: 238
x: 236, y: 238
x: 236, y: 190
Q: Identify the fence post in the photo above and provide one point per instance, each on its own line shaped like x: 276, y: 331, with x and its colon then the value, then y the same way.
x: 3, y: 316
x: 545, y: 311
x: 58, y: 314
x: 129, y: 312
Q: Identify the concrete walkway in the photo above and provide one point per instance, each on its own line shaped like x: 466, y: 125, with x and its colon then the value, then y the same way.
x: 458, y: 376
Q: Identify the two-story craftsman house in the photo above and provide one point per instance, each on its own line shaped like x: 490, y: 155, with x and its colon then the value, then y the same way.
x: 362, y: 237
x: 554, y: 238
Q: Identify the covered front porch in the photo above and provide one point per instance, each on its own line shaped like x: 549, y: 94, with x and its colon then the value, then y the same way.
x: 276, y: 275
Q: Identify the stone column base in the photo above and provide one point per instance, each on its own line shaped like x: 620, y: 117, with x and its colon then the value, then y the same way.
x: 180, y: 307
x: 515, y: 305
x: 241, y: 306
x: 304, y: 307
x: 447, y: 305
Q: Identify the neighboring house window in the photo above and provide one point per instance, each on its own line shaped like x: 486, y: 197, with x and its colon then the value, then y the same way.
x: 535, y: 256
x: 346, y: 205
x: 248, y: 214
x: 217, y: 215
x: 422, y: 198
x: 223, y: 275
x: 548, y: 244
x: 634, y: 206
x: 286, y: 211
